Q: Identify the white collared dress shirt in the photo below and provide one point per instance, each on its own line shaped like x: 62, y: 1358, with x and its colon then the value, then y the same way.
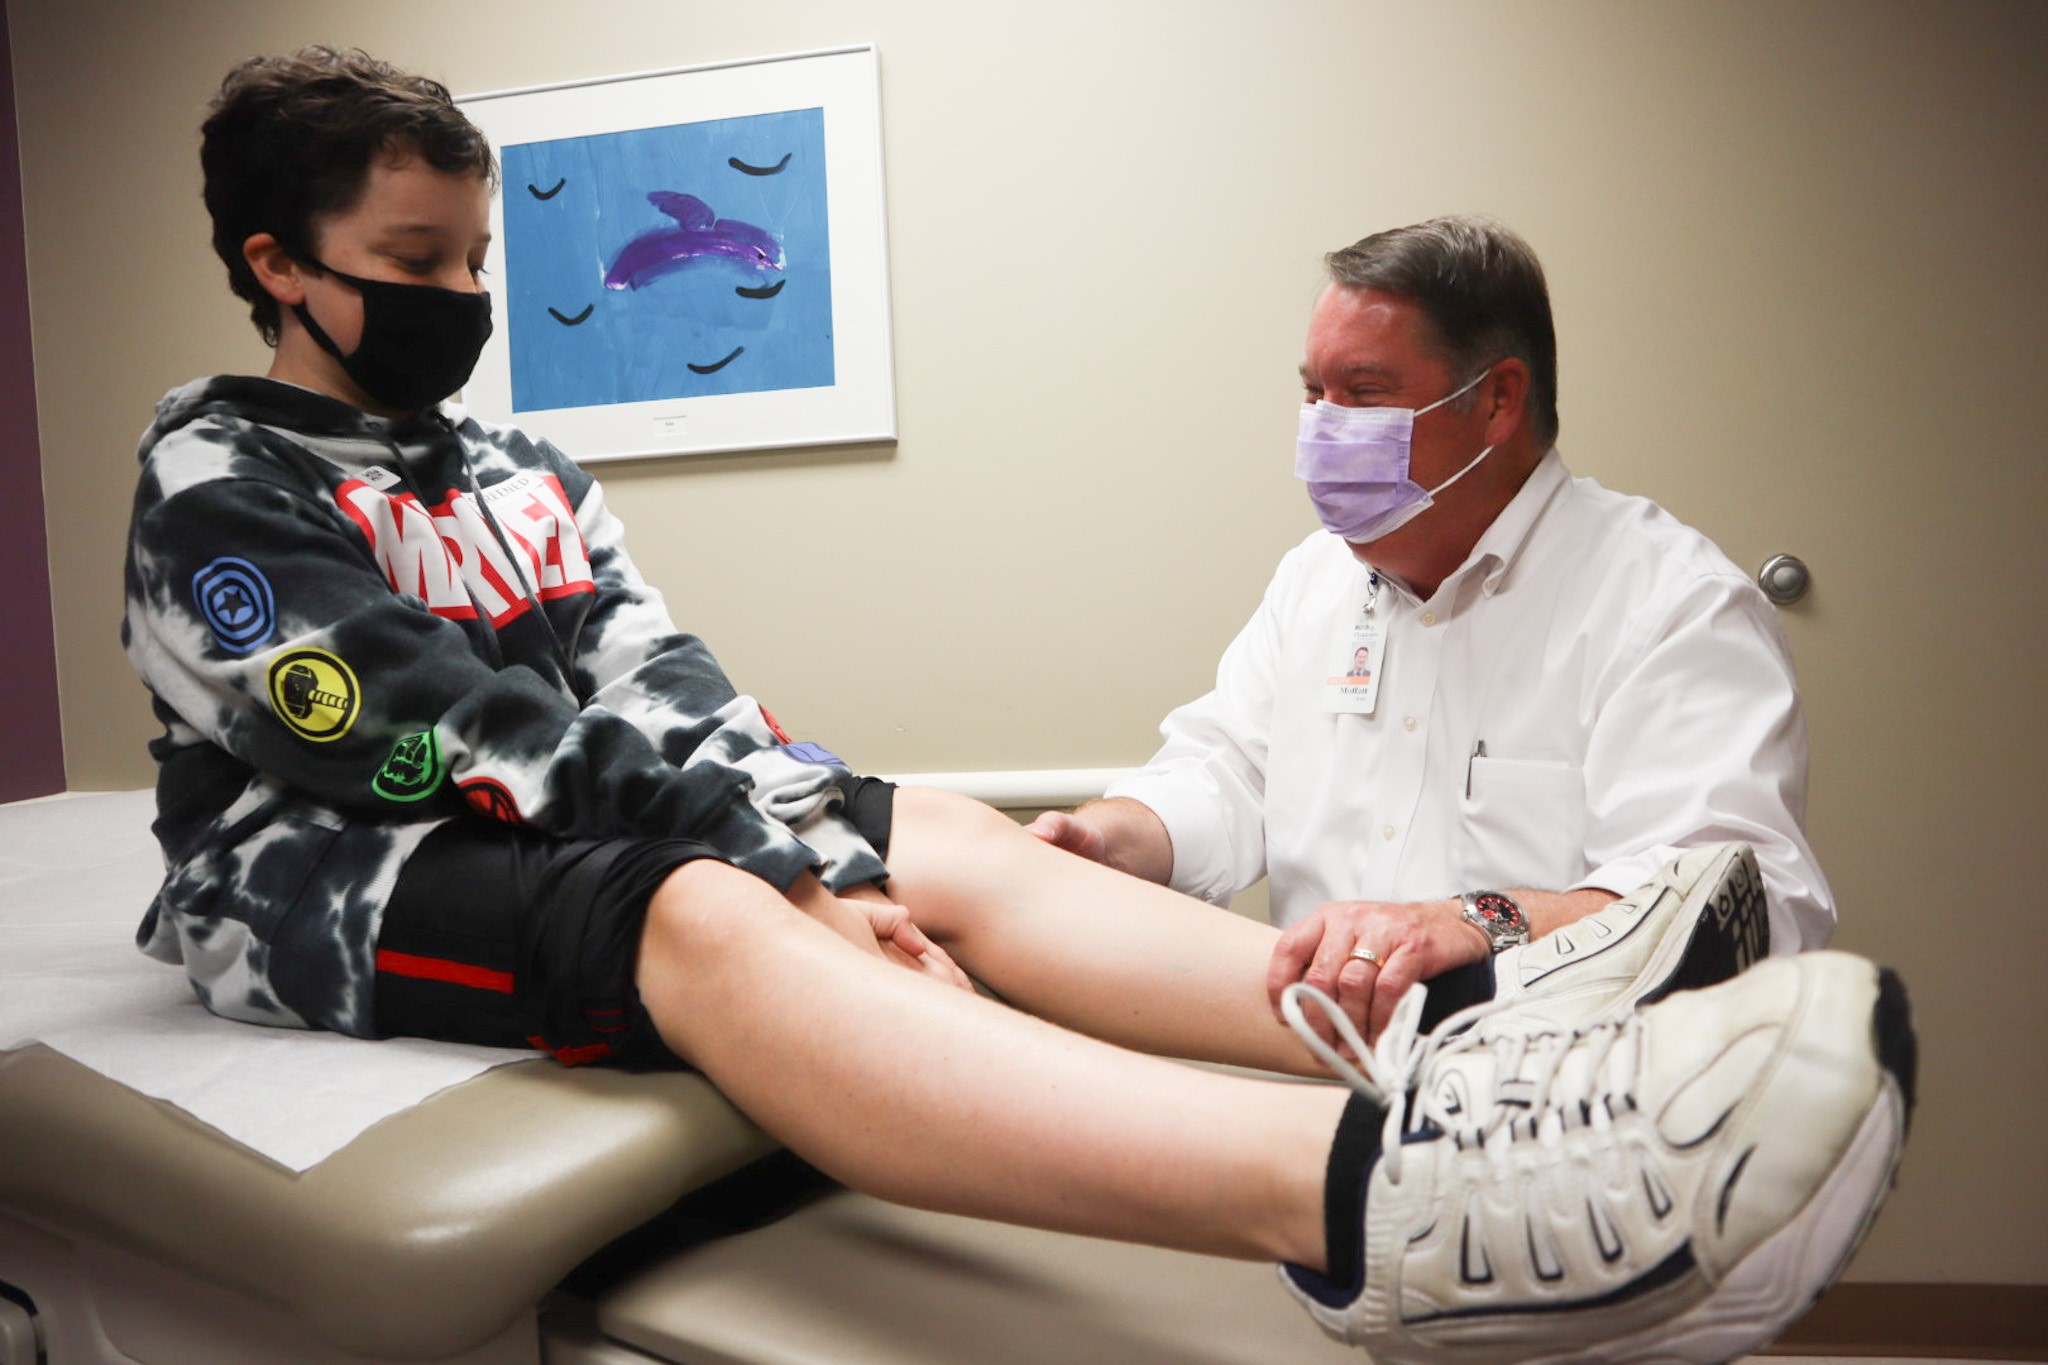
x: 1596, y: 688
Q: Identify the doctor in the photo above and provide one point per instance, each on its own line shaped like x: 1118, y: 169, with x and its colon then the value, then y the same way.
x: 1569, y: 685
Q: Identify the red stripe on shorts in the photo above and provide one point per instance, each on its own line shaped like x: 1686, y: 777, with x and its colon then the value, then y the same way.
x: 441, y: 969
x: 573, y: 1055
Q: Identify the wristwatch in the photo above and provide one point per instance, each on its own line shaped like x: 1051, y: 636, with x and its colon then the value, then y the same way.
x: 1496, y: 915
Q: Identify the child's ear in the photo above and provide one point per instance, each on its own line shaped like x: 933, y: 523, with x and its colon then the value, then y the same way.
x: 276, y: 269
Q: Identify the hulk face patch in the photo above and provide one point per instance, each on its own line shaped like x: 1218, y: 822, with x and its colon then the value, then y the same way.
x: 411, y: 770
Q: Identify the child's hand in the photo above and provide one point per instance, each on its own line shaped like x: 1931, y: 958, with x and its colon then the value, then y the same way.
x: 871, y: 921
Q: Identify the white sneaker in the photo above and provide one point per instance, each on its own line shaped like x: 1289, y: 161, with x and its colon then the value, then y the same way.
x: 1675, y: 1185
x: 1698, y: 922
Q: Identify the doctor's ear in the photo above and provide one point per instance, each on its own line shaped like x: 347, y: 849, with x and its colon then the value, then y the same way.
x: 276, y: 269
x: 1507, y: 398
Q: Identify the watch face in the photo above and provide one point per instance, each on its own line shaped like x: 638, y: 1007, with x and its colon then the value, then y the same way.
x: 1498, y: 917
x: 1498, y: 911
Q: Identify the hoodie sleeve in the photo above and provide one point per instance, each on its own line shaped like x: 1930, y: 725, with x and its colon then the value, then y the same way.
x: 629, y: 658
x: 258, y: 615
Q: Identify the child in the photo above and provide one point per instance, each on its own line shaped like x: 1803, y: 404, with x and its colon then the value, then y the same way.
x: 436, y: 762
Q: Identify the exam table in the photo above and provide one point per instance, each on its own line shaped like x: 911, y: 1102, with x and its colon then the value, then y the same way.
x: 522, y: 1213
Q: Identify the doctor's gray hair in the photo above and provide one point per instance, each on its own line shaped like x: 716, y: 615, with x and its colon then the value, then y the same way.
x: 1482, y: 289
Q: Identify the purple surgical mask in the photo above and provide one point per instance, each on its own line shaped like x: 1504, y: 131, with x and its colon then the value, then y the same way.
x: 1355, y: 462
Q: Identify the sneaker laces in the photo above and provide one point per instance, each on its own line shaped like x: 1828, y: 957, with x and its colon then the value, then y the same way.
x: 1536, y: 1106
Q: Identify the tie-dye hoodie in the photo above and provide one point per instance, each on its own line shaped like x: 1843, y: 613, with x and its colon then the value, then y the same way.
x: 354, y: 629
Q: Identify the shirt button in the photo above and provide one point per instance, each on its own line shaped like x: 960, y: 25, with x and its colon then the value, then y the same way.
x: 1429, y: 618
x: 1387, y: 833
x: 1409, y: 722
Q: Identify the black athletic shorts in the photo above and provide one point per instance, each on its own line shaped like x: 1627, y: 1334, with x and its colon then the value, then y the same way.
x: 510, y: 937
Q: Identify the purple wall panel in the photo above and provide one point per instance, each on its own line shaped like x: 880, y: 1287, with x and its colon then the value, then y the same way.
x: 31, y: 741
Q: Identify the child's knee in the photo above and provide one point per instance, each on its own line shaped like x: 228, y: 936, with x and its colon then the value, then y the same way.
x: 699, y: 904
x: 932, y: 814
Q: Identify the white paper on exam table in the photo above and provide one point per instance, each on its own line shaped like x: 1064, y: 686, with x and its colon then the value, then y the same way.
x: 76, y: 873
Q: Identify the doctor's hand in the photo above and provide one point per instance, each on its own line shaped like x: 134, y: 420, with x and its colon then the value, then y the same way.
x: 1072, y: 832
x: 1117, y: 832
x: 1413, y: 942
x: 868, y: 919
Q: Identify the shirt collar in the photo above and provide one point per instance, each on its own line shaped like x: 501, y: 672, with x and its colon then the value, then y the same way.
x: 1502, y: 543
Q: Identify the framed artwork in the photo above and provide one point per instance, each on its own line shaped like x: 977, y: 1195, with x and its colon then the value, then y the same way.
x: 691, y: 260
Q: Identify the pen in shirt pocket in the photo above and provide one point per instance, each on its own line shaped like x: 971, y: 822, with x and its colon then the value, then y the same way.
x: 1478, y: 752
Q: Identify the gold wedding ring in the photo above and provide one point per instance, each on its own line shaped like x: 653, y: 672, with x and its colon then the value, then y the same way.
x: 1365, y: 954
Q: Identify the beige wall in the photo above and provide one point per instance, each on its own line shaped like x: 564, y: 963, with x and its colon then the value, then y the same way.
x: 1796, y: 255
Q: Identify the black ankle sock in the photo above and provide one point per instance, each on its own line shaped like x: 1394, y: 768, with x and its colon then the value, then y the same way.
x: 1356, y: 1150
x: 1353, y: 1154
x: 1457, y: 989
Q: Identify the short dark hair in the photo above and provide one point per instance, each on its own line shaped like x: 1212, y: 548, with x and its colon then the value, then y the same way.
x: 289, y: 139
x: 1481, y: 288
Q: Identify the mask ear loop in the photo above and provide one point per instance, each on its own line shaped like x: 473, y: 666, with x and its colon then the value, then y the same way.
x: 305, y: 314
x: 1461, y: 473
x: 1470, y: 384
x: 317, y: 332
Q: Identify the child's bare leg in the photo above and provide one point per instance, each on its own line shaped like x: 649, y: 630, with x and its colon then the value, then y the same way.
x: 1089, y: 948
x: 917, y: 1092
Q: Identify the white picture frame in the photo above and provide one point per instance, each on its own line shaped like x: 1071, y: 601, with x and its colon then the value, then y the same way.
x: 632, y: 388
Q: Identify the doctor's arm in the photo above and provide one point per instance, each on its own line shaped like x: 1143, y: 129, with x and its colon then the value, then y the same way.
x: 1700, y: 739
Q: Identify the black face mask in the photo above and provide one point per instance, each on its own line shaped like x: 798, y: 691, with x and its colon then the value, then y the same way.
x: 419, y: 341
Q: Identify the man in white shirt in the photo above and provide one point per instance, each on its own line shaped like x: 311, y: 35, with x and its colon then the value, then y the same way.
x: 1569, y: 686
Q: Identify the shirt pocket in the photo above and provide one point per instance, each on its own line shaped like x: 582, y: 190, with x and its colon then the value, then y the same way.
x: 1524, y: 824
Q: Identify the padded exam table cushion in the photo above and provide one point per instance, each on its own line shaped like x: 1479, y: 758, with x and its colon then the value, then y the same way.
x: 381, y: 1206
x: 424, y: 1237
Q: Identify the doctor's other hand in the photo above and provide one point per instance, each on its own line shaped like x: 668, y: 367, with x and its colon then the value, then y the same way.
x: 1117, y: 832
x: 1073, y: 832
x: 1412, y: 942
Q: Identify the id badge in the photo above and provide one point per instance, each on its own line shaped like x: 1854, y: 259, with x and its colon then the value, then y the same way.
x: 1352, y: 686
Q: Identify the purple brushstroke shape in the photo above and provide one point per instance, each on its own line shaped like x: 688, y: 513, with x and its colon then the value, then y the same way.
x: 699, y: 234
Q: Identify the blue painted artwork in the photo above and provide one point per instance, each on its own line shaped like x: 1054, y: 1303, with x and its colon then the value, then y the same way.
x: 664, y: 263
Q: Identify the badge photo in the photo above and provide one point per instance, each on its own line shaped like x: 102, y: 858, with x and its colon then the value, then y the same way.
x: 1352, y: 686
